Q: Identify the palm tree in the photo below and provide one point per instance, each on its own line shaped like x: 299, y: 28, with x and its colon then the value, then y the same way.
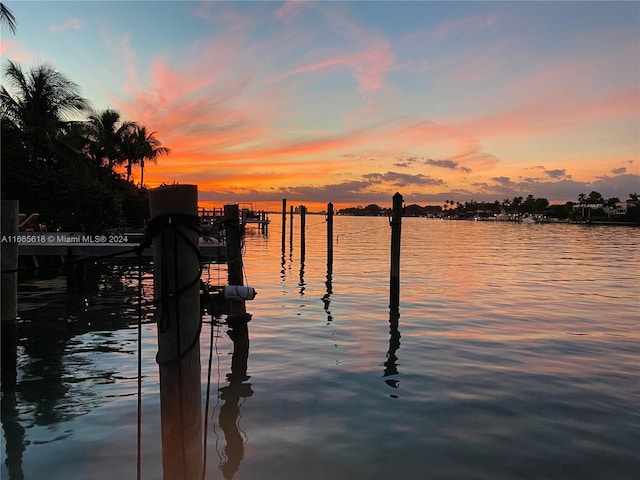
x: 39, y: 106
x: 611, y: 203
x: 7, y: 18
x: 138, y: 146
x: 106, y: 133
x: 581, y: 199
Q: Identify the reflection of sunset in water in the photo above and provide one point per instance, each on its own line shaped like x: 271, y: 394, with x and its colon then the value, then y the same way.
x: 515, y: 355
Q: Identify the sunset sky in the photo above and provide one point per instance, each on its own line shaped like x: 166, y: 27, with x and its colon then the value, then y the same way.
x: 349, y: 102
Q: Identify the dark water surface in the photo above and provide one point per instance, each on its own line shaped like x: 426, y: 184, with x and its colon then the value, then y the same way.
x: 517, y: 356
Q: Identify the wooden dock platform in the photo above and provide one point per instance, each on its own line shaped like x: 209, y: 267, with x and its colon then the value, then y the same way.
x: 66, y: 244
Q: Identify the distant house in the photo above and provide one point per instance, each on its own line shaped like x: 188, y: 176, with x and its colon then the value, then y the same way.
x: 619, y: 209
x: 589, y: 206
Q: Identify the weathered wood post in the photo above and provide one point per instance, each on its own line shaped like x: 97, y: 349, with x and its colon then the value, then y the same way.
x: 284, y: 221
x: 174, y: 229
x: 303, y: 227
x: 291, y: 227
x: 329, y: 239
x: 9, y: 289
x: 396, y: 227
x: 238, y: 317
x: 326, y: 298
x: 265, y: 222
x: 234, y: 254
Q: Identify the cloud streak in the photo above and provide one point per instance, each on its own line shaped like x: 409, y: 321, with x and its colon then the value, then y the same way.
x: 340, y: 103
x: 71, y: 24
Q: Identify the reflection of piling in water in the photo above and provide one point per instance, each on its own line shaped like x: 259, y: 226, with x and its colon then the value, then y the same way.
x: 13, y: 433
x: 391, y: 363
x: 9, y: 284
x: 231, y: 394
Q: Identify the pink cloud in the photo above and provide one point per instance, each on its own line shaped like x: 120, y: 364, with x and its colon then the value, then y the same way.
x: 369, y: 66
x: 556, y: 114
x: 12, y: 50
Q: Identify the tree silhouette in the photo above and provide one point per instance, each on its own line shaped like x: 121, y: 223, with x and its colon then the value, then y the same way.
x: 39, y: 107
x: 138, y: 146
x: 7, y: 18
x: 106, y: 131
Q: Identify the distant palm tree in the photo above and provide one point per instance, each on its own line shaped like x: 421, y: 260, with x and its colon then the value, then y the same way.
x: 138, y: 146
x: 611, y: 204
x: 40, y: 107
x: 581, y: 199
x: 7, y: 18
x: 106, y: 132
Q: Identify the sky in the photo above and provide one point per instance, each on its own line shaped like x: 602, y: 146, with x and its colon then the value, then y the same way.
x: 350, y: 102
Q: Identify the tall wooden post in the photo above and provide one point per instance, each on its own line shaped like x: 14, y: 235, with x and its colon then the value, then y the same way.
x: 396, y: 227
x: 9, y: 281
x: 329, y: 239
x: 235, y: 272
x: 291, y: 227
x: 238, y: 316
x: 326, y: 298
x: 303, y: 227
x: 284, y: 221
x: 176, y: 286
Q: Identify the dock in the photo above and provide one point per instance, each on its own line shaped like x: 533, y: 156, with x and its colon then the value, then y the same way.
x: 72, y: 244
x: 213, y: 220
x: 36, y: 242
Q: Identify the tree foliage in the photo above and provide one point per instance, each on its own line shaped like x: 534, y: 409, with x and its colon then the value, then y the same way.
x: 62, y: 166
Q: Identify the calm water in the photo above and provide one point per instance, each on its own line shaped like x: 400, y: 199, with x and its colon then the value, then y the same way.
x: 517, y: 356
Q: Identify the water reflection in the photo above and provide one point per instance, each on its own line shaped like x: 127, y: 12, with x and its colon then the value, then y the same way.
x: 391, y: 364
x: 326, y: 298
x: 13, y: 433
x: 283, y: 267
x: 301, y: 283
x: 233, y: 393
x: 58, y: 339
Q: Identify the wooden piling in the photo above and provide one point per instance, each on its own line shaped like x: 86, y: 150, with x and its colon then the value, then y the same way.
x: 284, y: 221
x: 238, y: 318
x: 303, y: 227
x: 291, y: 227
x: 396, y: 227
x: 176, y: 285
x: 329, y: 239
x: 235, y: 271
x: 9, y: 291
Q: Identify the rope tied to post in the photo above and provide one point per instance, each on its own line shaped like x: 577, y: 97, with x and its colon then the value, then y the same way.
x: 160, y: 226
